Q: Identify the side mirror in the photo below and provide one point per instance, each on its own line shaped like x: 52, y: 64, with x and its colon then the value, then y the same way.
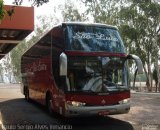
x: 63, y: 64
x: 138, y: 62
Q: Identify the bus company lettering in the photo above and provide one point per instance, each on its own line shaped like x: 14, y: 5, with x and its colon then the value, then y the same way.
x: 37, y: 67
x: 98, y: 36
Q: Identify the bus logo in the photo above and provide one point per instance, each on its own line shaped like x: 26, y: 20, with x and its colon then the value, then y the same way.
x: 103, y: 101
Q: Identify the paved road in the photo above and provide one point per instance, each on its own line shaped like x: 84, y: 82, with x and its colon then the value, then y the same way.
x: 17, y: 114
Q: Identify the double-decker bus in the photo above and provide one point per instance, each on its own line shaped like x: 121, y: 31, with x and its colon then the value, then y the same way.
x: 79, y: 69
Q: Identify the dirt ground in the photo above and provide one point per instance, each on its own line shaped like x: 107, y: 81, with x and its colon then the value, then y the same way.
x: 14, y: 110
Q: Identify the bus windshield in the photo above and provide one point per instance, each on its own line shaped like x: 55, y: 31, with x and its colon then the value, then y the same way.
x: 93, y: 39
x: 97, y: 74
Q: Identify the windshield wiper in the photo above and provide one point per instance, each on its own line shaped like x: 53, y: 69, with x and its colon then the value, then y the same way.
x: 88, y: 91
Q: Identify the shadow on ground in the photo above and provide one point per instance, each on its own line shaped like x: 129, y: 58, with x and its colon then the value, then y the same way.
x: 18, y: 111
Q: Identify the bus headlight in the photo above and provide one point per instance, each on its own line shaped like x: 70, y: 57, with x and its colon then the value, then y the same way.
x: 75, y: 103
x: 124, y: 101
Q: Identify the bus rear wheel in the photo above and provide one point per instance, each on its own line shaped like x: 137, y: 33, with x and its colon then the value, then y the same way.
x: 49, y: 104
x: 27, y: 94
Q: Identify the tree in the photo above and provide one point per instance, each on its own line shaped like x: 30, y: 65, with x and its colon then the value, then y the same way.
x: 71, y: 13
x: 1, y: 73
x: 2, y: 10
x: 7, y: 67
x: 155, y: 77
x: 140, y: 27
x: 104, y: 11
x: 34, y: 2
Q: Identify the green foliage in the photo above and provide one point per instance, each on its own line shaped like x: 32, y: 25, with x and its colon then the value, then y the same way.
x: 1, y: 73
x: 102, y: 11
x: 71, y: 13
x: 2, y: 10
x: 140, y: 27
x: 16, y: 54
x: 34, y: 2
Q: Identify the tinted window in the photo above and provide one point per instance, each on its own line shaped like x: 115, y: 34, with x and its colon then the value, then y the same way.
x: 97, y: 74
x: 57, y: 49
x: 41, y: 49
x: 93, y: 38
x: 57, y: 37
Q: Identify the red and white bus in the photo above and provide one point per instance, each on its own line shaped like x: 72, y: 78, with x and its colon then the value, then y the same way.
x: 79, y: 69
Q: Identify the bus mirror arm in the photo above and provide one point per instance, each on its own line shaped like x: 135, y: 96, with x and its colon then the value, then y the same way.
x: 138, y: 62
x: 63, y: 64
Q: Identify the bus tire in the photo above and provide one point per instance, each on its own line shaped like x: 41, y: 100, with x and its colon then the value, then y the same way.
x: 27, y: 94
x: 49, y: 104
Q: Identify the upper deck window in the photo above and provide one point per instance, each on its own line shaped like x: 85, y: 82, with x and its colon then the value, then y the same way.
x: 93, y: 39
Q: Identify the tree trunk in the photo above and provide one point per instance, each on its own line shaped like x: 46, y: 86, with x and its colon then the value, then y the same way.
x: 147, y: 76
x: 134, y: 81
x: 156, y: 86
x: 1, y: 77
x: 158, y: 77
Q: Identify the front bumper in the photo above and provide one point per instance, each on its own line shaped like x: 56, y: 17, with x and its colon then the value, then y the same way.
x: 96, y: 110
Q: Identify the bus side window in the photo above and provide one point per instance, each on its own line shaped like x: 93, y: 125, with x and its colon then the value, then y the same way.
x: 57, y: 39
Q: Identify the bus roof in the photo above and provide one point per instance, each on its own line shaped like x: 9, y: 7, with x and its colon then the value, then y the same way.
x: 89, y: 24
x: 71, y: 23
